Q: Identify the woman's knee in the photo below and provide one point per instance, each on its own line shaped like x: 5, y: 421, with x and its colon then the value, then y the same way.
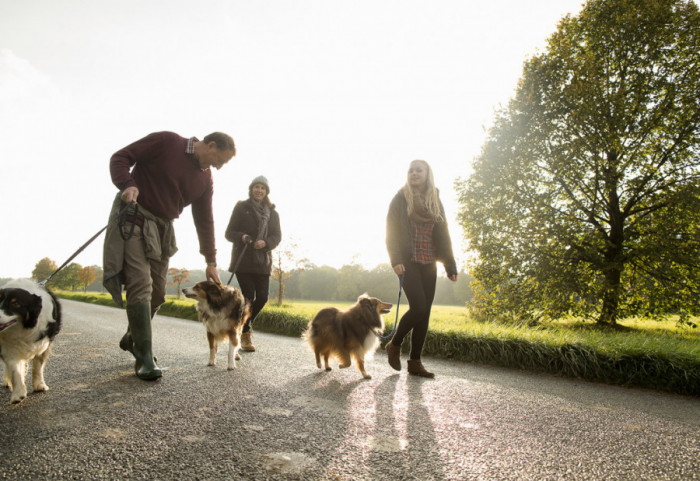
x: 260, y: 300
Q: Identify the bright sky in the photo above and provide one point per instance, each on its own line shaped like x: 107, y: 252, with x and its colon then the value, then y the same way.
x: 329, y: 99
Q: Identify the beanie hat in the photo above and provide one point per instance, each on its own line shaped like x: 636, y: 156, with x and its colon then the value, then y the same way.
x: 259, y: 180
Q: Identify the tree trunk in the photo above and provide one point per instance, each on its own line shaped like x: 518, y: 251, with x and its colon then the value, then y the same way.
x: 614, y: 262
x: 280, y: 291
x: 611, y: 296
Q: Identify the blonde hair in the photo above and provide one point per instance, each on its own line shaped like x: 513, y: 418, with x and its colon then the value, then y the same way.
x: 432, y: 202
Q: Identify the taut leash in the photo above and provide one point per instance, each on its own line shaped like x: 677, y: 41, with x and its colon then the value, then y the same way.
x: 398, y: 302
x: 42, y: 283
x: 81, y: 249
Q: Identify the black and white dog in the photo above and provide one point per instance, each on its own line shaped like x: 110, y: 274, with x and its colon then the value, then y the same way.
x: 30, y: 318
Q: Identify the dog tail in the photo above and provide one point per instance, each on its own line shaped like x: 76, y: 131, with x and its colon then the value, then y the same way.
x: 310, y: 333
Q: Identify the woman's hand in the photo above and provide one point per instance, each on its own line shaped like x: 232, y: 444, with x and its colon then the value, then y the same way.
x: 453, y: 277
x: 399, y: 269
x: 261, y: 244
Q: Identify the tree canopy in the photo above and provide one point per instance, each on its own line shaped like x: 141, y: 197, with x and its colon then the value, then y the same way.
x: 586, y: 196
x: 177, y: 278
x: 43, y: 269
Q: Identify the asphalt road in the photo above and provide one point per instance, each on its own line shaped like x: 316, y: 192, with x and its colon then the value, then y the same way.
x: 279, y: 417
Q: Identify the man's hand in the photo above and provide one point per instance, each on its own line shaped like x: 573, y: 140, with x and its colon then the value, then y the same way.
x: 399, y: 269
x: 212, y: 274
x: 130, y: 194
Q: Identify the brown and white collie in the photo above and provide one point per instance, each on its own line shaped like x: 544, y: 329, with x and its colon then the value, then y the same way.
x: 223, y: 310
x: 352, y: 333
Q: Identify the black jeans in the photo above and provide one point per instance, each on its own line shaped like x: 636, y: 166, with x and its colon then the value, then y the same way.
x: 419, y: 285
x: 255, y: 288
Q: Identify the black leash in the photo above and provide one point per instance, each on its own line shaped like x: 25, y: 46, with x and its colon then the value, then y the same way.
x: 238, y: 262
x: 82, y: 248
x: 42, y: 283
x: 398, y: 302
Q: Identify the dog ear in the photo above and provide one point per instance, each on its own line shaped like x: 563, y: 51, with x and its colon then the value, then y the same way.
x: 369, y: 305
x: 363, y: 296
x: 33, y: 310
x: 213, y: 293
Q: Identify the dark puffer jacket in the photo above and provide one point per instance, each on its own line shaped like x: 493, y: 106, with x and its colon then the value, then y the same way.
x: 244, y: 221
x: 398, y: 236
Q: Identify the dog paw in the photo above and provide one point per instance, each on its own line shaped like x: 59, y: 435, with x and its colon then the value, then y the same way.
x: 366, y: 376
x: 343, y: 366
x: 328, y: 368
x: 41, y: 388
x: 211, y: 364
x: 231, y: 368
x: 238, y: 357
x: 17, y: 399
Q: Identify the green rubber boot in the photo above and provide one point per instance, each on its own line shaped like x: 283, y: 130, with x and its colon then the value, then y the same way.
x: 127, y: 343
x: 139, y: 316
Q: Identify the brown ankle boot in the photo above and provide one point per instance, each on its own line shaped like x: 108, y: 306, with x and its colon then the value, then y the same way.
x: 247, y: 342
x: 416, y: 368
x: 394, y: 354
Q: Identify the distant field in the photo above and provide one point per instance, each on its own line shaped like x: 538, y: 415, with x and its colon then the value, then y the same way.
x: 449, y: 315
x: 643, y: 333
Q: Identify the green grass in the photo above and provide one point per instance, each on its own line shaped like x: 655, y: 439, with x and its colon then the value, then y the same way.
x: 639, y: 352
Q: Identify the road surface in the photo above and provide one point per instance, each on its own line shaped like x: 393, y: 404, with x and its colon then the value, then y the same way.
x: 278, y: 417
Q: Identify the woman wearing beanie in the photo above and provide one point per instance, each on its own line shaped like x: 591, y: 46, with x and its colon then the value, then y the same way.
x: 254, y: 221
x: 417, y: 237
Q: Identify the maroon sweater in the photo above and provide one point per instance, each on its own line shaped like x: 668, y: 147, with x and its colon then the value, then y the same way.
x: 168, y: 179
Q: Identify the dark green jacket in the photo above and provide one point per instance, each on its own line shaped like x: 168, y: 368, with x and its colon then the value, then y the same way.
x: 244, y: 221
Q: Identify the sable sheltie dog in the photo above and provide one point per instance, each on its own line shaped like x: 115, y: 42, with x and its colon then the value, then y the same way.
x: 350, y: 333
x: 30, y: 318
x: 223, y: 310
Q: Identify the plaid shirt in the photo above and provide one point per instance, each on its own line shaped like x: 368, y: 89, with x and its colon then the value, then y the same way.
x: 190, y: 145
x: 423, y: 251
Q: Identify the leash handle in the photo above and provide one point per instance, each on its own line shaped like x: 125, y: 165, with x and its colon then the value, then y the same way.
x: 122, y: 220
x: 238, y: 262
x: 398, y: 303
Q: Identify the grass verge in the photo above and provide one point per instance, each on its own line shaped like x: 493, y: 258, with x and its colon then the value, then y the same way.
x: 650, y: 354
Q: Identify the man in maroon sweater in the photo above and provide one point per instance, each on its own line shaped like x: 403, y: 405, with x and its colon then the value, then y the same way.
x: 158, y: 176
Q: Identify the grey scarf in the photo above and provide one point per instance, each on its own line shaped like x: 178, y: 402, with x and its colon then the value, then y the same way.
x: 262, y: 215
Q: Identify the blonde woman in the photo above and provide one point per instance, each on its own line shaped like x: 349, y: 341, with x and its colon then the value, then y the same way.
x: 417, y: 237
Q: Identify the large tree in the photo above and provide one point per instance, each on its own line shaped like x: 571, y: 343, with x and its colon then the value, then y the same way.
x: 585, y: 198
